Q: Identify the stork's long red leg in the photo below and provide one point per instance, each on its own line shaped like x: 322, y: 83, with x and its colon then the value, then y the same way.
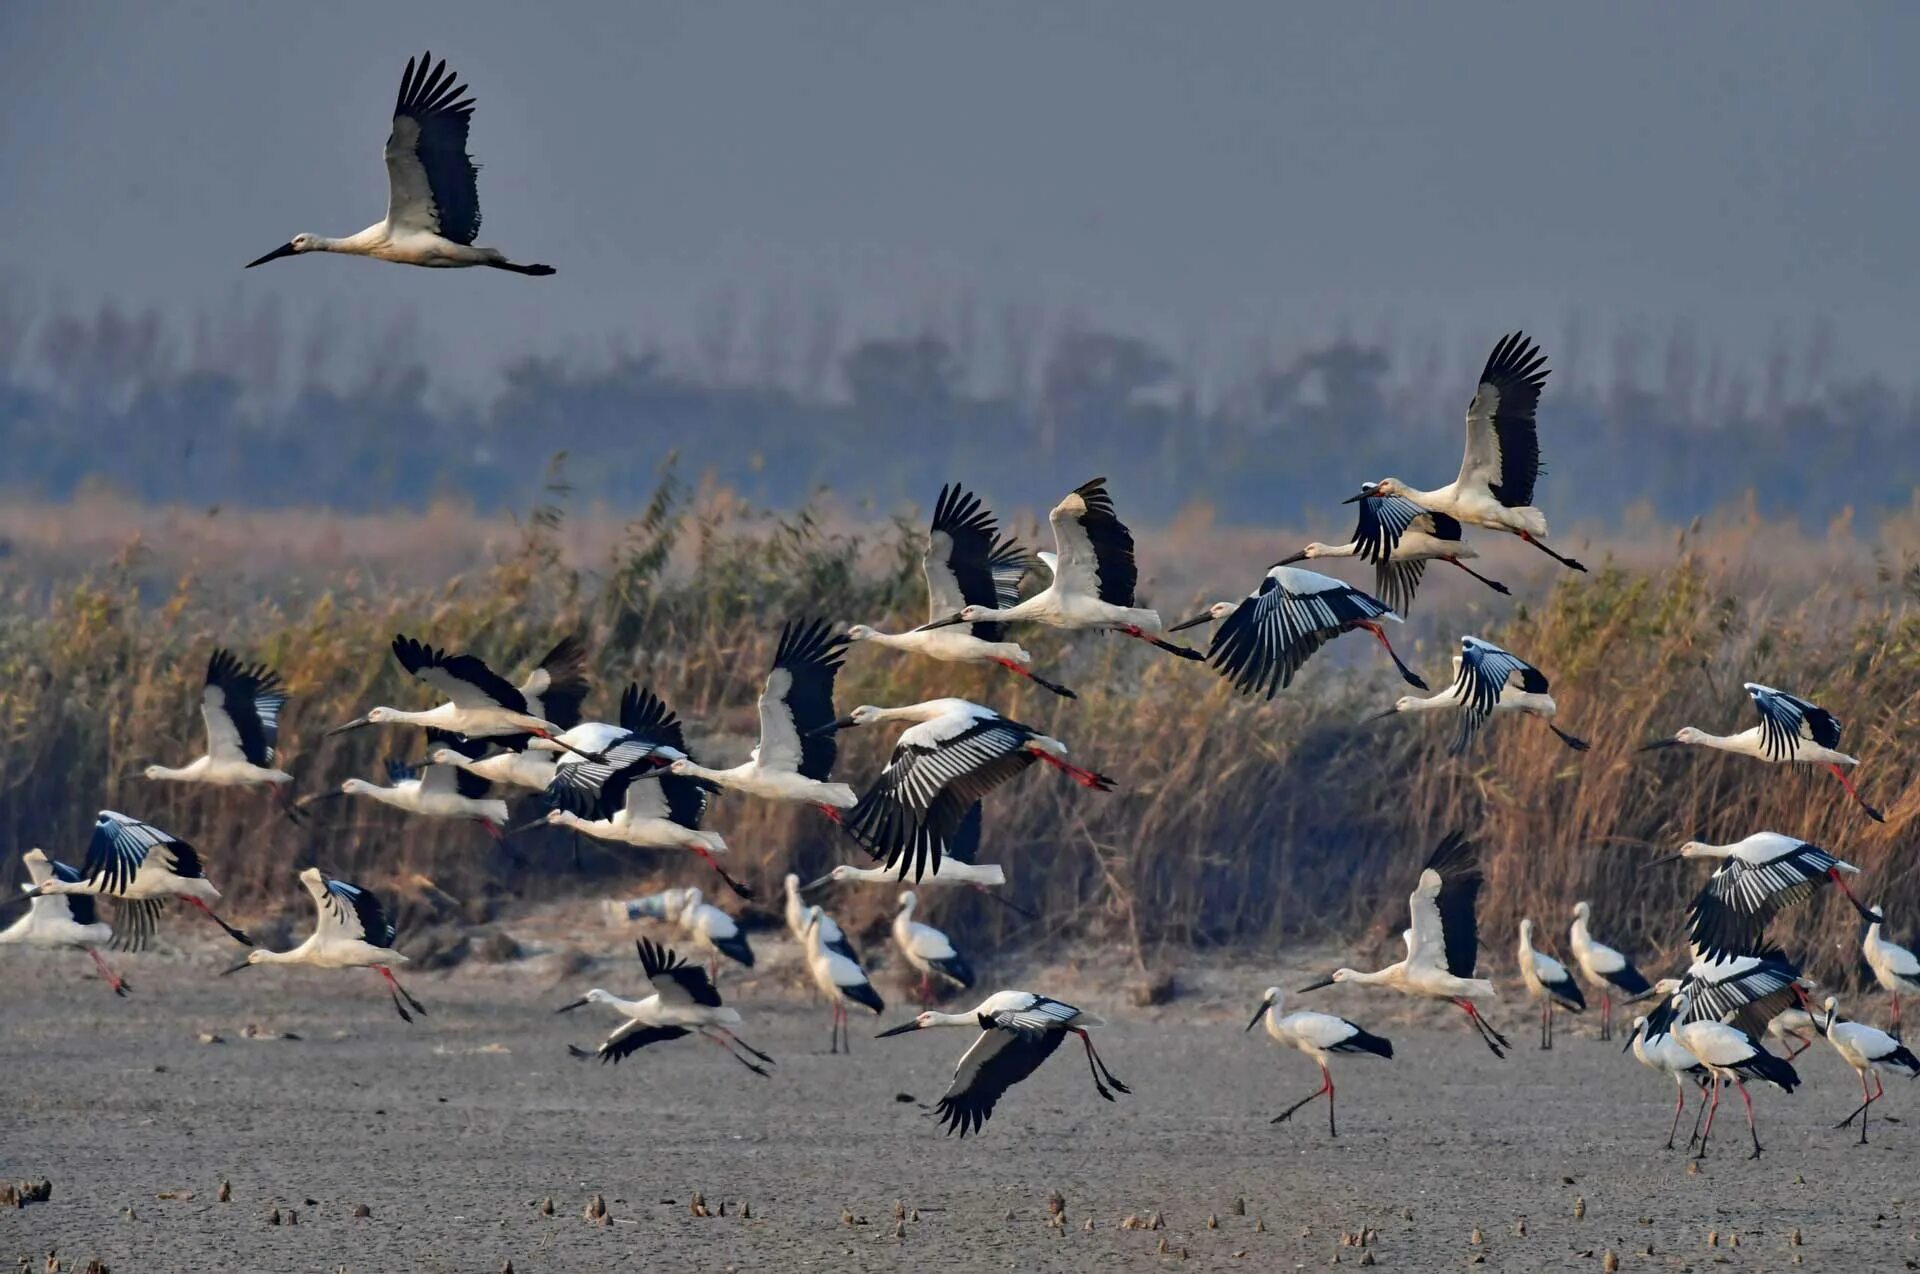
x: 1847, y: 783
x: 1751, y: 1129
x: 114, y: 980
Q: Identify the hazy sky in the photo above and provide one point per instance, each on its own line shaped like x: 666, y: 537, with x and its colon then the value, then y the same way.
x: 1200, y: 173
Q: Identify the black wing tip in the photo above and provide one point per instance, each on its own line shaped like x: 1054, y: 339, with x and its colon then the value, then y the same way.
x: 1516, y: 359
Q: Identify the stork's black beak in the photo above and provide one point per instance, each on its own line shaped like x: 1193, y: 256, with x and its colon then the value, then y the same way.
x: 902, y: 1029
x: 1632, y: 1035
x: 568, y: 1008
x: 1323, y: 982
x: 1379, y: 716
x: 354, y: 724
x: 932, y: 624
x: 844, y: 723
x: 1185, y: 624
x: 244, y: 964
x: 1259, y: 1013
x: 1670, y: 858
x: 1355, y: 499
x: 1289, y: 561
x: 525, y: 827
x: 1657, y: 744
x: 812, y: 885
x: 284, y: 250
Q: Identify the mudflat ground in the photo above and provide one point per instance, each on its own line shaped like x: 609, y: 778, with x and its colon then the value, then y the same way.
x: 451, y: 1131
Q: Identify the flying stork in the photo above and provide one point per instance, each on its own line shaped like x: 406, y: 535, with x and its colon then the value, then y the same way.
x: 1093, y: 577
x: 1442, y: 939
x: 433, y: 196
x: 554, y: 691
x: 1757, y: 878
x: 1398, y: 538
x: 139, y: 867
x: 952, y: 757
x: 1869, y: 1050
x: 930, y: 952
x: 69, y: 922
x: 966, y: 564
x: 1502, y: 460
x: 1894, y: 967
x: 1605, y: 969
x: 684, y: 1001
x: 1488, y: 680
x: 240, y: 704
x: 838, y: 976
x: 1316, y: 1035
x: 1265, y: 638
x: 1791, y: 731
x: 433, y: 790
x: 350, y: 931
x: 1018, y: 1031
x: 1547, y: 981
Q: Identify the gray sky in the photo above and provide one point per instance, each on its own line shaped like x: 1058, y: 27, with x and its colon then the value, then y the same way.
x: 1200, y: 173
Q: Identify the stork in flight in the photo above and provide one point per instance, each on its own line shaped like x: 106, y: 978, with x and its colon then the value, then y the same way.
x: 1488, y: 681
x: 350, y: 931
x: 1398, y: 538
x: 433, y: 195
x: 684, y: 1001
x: 1791, y: 731
x: 53, y: 920
x: 1093, y: 577
x: 139, y: 866
x: 434, y: 790
x: 966, y: 564
x: 240, y: 704
x: 1757, y: 879
x: 1502, y: 461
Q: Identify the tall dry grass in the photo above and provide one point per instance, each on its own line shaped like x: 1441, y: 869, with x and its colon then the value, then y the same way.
x: 1236, y: 822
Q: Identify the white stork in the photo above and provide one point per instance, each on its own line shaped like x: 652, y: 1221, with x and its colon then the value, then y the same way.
x: 1398, y: 538
x: 1443, y: 941
x: 433, y: 196
x: 139, y: 867
x: 1894, y: 967
x: 1316, y: 1035
x: 70, y: 922
x: 1664, y: 1053
x: 1547, y: 981
x: 714, y: 931
x: 1093, y: 577
x: 1502, y: 460
x: 966, y: 564
x: 794, y: 758
x: 838, y: 976
x: 952, y: 757
x: 1757, y: 879
x: 435, y: 791
x: 930, y: 952
x: 481, y: 704
x: 350, y: 931
x: 1869, y: 1050
x: 1487, y: 681
x: 799, y: 916
x: 1605, y: 969
x: 1729, y: 1052
x: 1791, y: 731
x: 1794, y: 1028
x: 240, y: 704
x: 554, y: 692
x: 1018, y: 1031
x: 1265, y: 638
x: 684, y: 1001
x: 956, y: 867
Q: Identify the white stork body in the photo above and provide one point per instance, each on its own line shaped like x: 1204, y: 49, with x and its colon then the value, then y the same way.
x: 481, y: 704
x: 1756, y: 879
x: 1869, y: 1050
x: 1547, y: 981
x: 1442, y: 941
x: 1018, y: 1030
x: 714, y: 931
x: 1792, y: 731
x: 1502, y: 459
x: 950, y: 871
x: 1265, y: 638
x: 351, y: 931
x: 838, y: 976
x: 1794, y: 1029
x: 798, y: 916
x: 61, y: 921
x: 241, y: 708
x: 684, y: 1001
x: 139, y: 867
x: 1894, y: 967
x: 433, y: 200
x: 1665, y: 1054
x: 930, y: 952
x: 1730, y: 1054
x: 1605, y: 969
x: 1317, y: 1035
x: 1488, y: 682
x: 1399, y: 538
x: 435, y: 791
x: 1094, y: 575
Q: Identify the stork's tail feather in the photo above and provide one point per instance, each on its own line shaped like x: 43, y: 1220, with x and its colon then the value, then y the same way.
x: 1366, y: 1042
x: 865, y: 994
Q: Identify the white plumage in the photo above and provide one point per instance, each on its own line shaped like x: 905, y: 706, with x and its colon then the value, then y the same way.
x: 350, y: 931
x: 67, y: 921
x: 1317, y: 1035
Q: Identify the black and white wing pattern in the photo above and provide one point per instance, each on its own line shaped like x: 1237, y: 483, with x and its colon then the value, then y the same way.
x: 451, y: 778
x: 1282, y: 623
x: 915, y: 809
x: 559, y: 685
x: 1444, y: 931
x: 966, y: 562
x: 80, y: 907
x: 632, y: 1036
x: 999, y: 1059
x: 596, y: 789
x: 347, y: 910
x: 673, y: 979
x: 1039, y: 1013
x: 631, y: 773
x: 647, y: 718
x: 1095, y: 548
x: 432, y: 184
x: 1729, y: 917
x: 1503, y: 442
x: 241, y: 705
x: 1748, y: 990
x: 120, y: 846
x: 1383, y: 519
x: 465, y: 680
x: 798, y: 700
x: 1483, y: 673
x: 1786, y: 719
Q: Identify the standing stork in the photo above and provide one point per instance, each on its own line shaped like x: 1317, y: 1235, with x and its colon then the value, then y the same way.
x: 1664, y: 1053
x: 1488, y: 680
x: 1894, y: 967
x: 481, y: 704
x: 839, y: 977
x: 794, y: 758
x: 1547, y: 981
x: 799, y: 915
x: 1757, y: 879
x: 1605, y: 969
x: 1442, y: 939
x: 714, y: 930
x: 350, y: 931
x: 947, y: 762
x: 966, y: 564
x: 1502, y: 460
x: 1093, y: 577
x: 684, y: 1001
x: 1730, y: 1053
x: 70, y: 922
x: 1316, y: 1035
x: 139, y: 867
x: 1791, y: 732
x: 1265, y: 638
x: 1869, y: 1050
x: 240, y: 704
x: 930, y: 952
x: 433, y: 195
x: 1018, y: 1031
x: 1398, y: 538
